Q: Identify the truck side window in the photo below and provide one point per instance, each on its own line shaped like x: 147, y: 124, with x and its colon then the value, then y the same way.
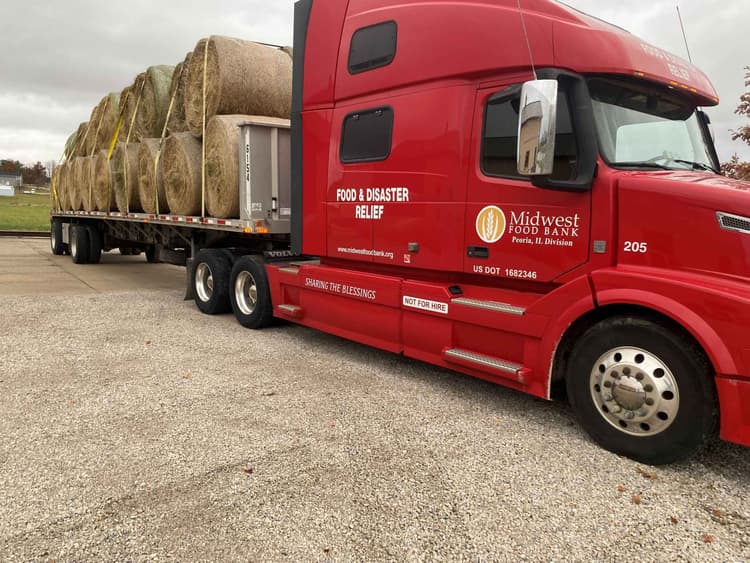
x: 366, y: 136
x: 501, y: 137
x: 372, y: 47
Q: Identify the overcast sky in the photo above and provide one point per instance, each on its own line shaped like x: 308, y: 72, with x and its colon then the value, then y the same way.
x: 60, y: 58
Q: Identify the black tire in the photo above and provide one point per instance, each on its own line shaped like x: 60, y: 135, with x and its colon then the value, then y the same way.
x: 642, y: 390
x: 211, y: 270
x: 79, y: 244
x: 250, y: 293
x: 152, y: 254
x: 56, y: 238
x: 95, y: 245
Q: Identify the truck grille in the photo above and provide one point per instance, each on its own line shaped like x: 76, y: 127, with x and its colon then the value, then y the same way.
x: 733, y: 222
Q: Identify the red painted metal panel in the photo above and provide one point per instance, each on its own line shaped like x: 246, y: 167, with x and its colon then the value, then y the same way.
x: 321, y: 52
x: 316, y: 131
x: 715, y: 311
x: 734, y: 398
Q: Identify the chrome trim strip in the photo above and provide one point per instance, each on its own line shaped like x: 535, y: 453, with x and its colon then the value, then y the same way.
x: 489, y: 306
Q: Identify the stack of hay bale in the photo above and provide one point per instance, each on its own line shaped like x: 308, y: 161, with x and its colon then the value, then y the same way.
x: 157, y: 164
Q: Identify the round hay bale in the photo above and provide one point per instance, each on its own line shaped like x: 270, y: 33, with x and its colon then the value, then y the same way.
x: 89, y: 141
x: 70, y: 144
x: 87, y: 184
x: 242, y: 77
x: 154, y: 100
x: 181, y: 173
x: 125, y: 177
x: 179, y: 80
x: 129, y: 100
x: 55, y: 183
x: 150, y: 185
x: 103, y: 183
x: 79, y: 147
x: 109, y: 112
x: 75, y: 196
x: 65, y: 182
x: 222, y: 166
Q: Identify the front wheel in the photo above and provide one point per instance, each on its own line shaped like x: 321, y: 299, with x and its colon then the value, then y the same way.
x: 642, y: 390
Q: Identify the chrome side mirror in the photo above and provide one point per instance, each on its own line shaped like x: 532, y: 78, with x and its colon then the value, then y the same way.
x: 536, y: 128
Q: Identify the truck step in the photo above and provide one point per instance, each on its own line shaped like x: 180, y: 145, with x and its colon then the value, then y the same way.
x: 294, y: 311
x: 290, y: 270
x: 489, y: 306
x: 504, y: 368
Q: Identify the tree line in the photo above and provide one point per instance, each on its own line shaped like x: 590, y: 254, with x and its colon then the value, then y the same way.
x: 35, y: 175
x: 735, y: 168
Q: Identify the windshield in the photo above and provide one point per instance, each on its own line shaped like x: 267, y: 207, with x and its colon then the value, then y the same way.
x: 644, y: 125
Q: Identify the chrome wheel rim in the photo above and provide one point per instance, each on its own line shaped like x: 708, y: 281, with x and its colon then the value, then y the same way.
x: 204, y: 282
x: 73, y: 245
x: 246, y: 293
x: 634, y: 391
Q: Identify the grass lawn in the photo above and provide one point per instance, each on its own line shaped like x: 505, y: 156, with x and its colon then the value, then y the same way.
x: 24, y: 213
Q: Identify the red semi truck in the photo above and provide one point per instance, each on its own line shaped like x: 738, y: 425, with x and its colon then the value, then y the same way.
x: 531, y: 198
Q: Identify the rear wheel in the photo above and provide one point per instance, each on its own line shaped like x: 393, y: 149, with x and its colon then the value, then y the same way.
x: 152, y: 254
x: 95, y: 245
x: 250, y: 293
x: 211, y: 270
x: 79, y: 244
x: 55, y: 238
x: 642, y: 390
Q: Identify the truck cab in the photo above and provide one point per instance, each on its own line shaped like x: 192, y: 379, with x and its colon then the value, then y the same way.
x: 611, y: 267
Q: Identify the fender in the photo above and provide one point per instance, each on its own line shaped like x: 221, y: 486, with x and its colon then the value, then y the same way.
x: 563, y: 307
x: 692, y: 304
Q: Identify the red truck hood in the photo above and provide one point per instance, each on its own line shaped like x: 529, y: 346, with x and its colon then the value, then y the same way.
x: 699, y: 188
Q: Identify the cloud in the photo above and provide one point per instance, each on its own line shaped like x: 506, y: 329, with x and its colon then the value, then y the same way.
x: 717, y: 39
x: 60, y: 58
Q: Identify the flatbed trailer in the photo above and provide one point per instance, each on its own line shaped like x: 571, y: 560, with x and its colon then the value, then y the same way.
x: 531, y: 198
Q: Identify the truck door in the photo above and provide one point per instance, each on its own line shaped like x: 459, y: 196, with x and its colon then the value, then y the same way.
x: 514, y: 229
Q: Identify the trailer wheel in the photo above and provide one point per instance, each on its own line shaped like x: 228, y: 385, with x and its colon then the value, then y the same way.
x: 642, y: 390
x: 250, y: 294
x: 79, y: 244
x: 95, y: 245
x: 152, y: 254
x: 56, y: 238
x: 211, y: 270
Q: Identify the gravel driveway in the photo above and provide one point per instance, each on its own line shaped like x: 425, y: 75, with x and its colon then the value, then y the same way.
x: 132, y: 428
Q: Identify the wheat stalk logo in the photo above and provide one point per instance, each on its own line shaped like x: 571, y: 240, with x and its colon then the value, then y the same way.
x: 490, y: 224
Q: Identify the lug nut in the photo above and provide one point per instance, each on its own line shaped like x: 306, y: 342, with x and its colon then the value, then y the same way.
x: 648, y: 388
x: 639, y: 377
x: 607, y: 397
x: 630, y: 415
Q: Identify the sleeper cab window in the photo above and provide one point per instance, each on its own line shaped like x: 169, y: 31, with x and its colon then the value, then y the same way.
x: 366, y: 136
x: 372, y: 47
x: 499, y: 143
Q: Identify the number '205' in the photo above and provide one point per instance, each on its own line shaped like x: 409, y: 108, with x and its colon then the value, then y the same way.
x: 636, y: 247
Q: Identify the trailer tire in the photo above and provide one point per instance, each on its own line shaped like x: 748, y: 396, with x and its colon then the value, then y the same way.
x: 95, y: 245
x: 79, y: 244
x: 642, y: 389
x: 152, y: 254
x: 250, y: 293
x: 211, y: 273
x: 56, y: 238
